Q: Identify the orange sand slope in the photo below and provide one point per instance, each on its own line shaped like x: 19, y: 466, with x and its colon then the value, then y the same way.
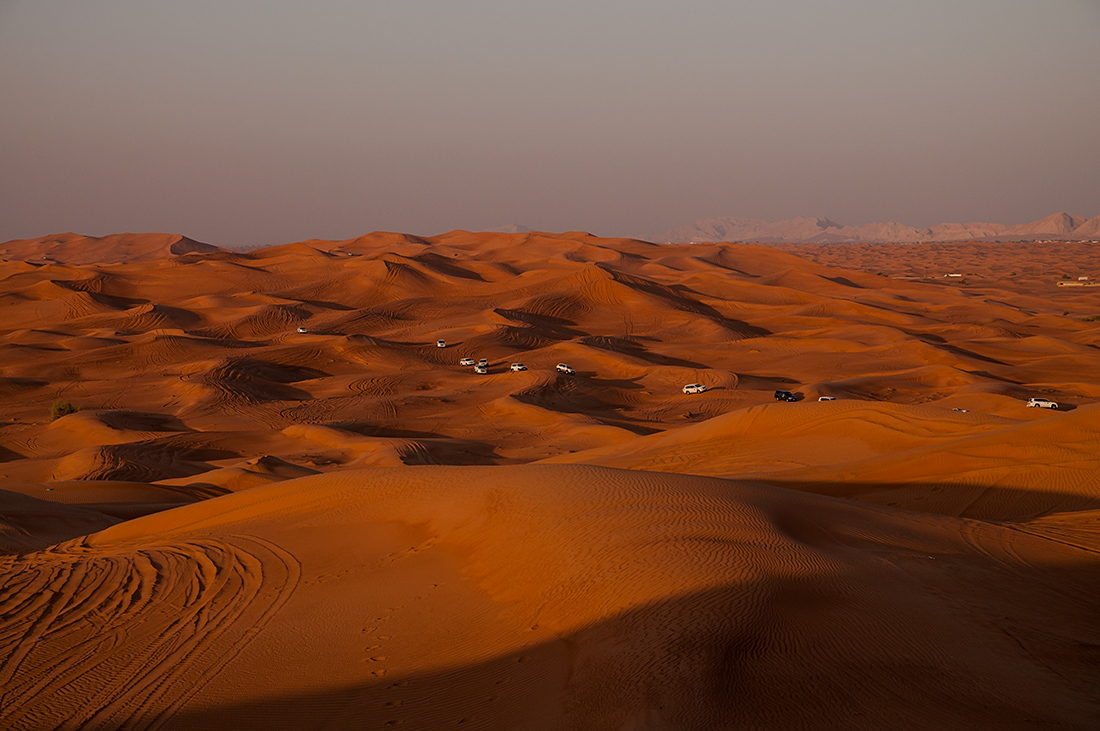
x: 191, y: 363
x: 918, y: 457
x: 549, y: 596
x: 281, y: 505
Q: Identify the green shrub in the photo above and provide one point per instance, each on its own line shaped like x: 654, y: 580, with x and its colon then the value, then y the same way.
x: 62, y: 408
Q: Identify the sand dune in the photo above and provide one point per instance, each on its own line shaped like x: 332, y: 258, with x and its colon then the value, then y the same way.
x: 1017, y: 472
x: 557, y: 596
x: 72, y: 248
x: 779, y: 437
x: 28, y: 524
x: 248, y: 525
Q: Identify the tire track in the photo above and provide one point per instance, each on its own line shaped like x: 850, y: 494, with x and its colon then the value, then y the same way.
x: 316, y: 411
x: 378, y: 390
x: 84, y: 624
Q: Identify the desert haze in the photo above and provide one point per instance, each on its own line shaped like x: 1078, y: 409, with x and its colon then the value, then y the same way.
x: 267, y: 498
x: 1057, y: 226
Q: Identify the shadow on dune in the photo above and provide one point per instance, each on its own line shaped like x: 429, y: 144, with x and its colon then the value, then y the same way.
x: 252, y: 379
x: 113, y: 301
x: 450, y: 451
x: 637, y: 350
x: 927, y: 640
x: 678, y: 296
x: 374, y: 430
x: 959, y: 351
x: 994, y: 377
x: 957, y: 499
x: 443, y: 265
x: 544, y: 326
x: 764, y: 383
x: 845, y: 282
x: 586, y: 394
x: 320, y: 304
x: 142, y: 421
x: 143, y: 461
x: 7, y: 455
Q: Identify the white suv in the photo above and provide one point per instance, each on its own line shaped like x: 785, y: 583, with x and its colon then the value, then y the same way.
x: 694, y: 388
x: 516, y: 367
x: 563, y: 368
x: 1041, y: 403
x: 483, y: 362
x: 466, y: 362
x: 441, y: 343
x: 481, y: 369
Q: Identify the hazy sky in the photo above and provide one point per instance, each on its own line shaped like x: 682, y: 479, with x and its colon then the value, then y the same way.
x: 246, y: 122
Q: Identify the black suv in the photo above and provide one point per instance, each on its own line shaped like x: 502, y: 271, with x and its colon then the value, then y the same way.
x: 785, y: 396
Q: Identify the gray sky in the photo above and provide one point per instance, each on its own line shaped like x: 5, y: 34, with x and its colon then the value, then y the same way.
x: 248, y: 122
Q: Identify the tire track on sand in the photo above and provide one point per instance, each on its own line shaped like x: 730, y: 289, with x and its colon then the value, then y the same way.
x: 378, y: 391
x: 122, y: 639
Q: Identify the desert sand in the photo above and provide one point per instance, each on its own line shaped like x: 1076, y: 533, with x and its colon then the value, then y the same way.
x: 249, y: 526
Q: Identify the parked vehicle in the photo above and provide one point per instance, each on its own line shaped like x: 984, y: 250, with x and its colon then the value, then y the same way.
x: 563, y: 368
x: 466, y: 362
x: 694, y: 388
x: 1041, y: 403
x: 781, y: 395
x: 965, y: 411
x: 516, y: 367
x: 441, y: 343
x: 302, y: 329
x: 481, y: 369
x: 826, y: 398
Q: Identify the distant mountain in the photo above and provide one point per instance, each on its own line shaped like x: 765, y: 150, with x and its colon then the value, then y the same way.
x: 1089, y: 229
x: 821, y: 230
x: 70, y: 248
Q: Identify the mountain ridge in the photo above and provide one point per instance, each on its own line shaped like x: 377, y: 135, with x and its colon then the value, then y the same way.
x: 820, y: 230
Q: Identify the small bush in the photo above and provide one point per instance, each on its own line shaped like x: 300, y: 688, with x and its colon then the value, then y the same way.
x: 62, y: 408
x: 1091, y: 318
